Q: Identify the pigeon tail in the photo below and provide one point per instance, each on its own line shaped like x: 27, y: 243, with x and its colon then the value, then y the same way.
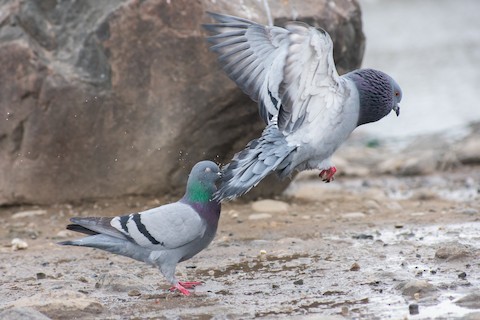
x: 111, y: 244
x: 261, y: 156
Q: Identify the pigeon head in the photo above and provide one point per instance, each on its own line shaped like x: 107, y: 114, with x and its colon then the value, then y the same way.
x: 201, y: 181
x: 379, y: 94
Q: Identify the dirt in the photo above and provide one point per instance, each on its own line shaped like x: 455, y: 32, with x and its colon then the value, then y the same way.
x: 372, y: 248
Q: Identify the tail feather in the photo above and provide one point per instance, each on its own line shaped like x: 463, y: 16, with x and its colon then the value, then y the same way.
x: 81, y: 229
x: 95, y: 225
x: 111, y: 244
x: 261, y: 156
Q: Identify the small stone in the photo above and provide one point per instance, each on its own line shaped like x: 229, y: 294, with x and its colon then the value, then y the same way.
x: 470, y: 211
x: 417, y: 214
x: 413, y: 309
x: 470, y: 301
x: 134, y: 293
x: 355, y: 267
x: 19, y: 244
x: 22, y: 313
x: 41, y: 275
x: 275, y: 286
x: 83, y: 279
x: 271, y: 206
x: 363, y: 236
x: 353, y: 215
x: 462, y: 275
x: 28, y: 214
x: 393, y: 205
x: 259, y: 216
x: 453, y: 251
x: 410, y: 288
x: 298, y: 282
x: 64, y: 234
x: 62, y: 304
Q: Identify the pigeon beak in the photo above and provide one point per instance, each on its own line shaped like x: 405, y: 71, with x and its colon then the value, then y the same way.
x: 396, y: 108
x: 219, y: 174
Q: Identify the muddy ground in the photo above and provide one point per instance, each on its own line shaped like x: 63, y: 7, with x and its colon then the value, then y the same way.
x: 370, y: 245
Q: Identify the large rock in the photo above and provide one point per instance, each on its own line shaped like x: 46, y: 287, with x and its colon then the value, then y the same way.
x: 107, y: 98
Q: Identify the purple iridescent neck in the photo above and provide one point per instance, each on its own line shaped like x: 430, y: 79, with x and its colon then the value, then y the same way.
x: 375, y: 90
x: 209, y: 210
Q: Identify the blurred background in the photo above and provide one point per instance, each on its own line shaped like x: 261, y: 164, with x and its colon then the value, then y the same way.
x: 432, y: 48
x: 121, y: 97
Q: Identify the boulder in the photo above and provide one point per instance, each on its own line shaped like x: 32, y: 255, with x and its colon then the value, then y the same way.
x: 109, y: 98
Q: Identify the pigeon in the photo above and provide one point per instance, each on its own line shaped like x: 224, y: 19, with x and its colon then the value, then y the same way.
x: 162, y: 236
x: 309, y: 110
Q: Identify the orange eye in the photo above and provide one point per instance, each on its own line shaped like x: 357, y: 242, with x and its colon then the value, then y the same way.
x: 397, y: 93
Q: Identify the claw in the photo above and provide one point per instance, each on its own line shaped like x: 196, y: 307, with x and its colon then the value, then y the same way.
x: 183, y: 286
x: 328, y: 174
x: 180, y: 288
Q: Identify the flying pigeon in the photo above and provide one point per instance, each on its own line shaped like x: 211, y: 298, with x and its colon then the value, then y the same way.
x: 162, y: 236
x: 309, y: 110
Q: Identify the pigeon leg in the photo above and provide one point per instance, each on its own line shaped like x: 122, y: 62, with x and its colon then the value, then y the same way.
x: 328, y: 174
x: 180, y: 288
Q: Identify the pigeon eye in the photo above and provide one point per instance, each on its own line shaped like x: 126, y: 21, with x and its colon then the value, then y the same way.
x: 208, y: 170
x: 397, y: 93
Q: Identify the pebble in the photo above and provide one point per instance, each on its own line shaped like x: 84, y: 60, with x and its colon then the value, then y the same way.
x: 470, y: 211
x: 393, y: 205
x: 270, y: 206
x: 413, y: 309
x: 64, y: 234
x: 298, y: 282
x: 62, y: 304
x: 259, y: 216
x: 134, y: 293
x: 353, y: 215
x: 355, y: 267
x: 411, y: 287
x: 462, y: 275
x: 24, y: 313
x: 452, y: 251
x: 19, y: 244
x: 29, y: 213
x: 470, y: 301
x: 469, y: 151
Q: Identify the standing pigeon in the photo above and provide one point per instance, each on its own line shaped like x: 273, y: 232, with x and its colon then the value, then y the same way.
x: 308, y: 108
x: 162, y: 236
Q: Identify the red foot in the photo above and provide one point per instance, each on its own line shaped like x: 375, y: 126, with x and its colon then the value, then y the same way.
x: 183, y: 286
x: 327, y: 175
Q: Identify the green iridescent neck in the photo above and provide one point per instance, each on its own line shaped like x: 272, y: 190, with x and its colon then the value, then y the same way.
x: 197, y: 192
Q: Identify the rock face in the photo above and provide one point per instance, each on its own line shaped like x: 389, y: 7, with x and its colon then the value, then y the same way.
x: 115, y: 97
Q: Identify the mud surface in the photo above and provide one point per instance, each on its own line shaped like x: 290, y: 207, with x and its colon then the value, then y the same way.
x: 376, y: 248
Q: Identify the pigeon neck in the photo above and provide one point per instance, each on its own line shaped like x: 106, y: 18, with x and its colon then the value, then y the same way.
x: 198, y: 192
x: 375, y: 93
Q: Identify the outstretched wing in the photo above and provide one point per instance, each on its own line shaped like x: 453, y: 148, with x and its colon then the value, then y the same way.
x: 280, y: 68
x: 309, y: 75
x: 253, y: 56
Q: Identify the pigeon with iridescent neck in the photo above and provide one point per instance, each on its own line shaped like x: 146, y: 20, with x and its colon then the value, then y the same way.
x: 309, y: 110
x: 162, y: 236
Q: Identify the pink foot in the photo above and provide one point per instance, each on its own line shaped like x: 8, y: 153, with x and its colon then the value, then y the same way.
x: 180, y: 288
x: 328, y: 174
x: 183, y: 286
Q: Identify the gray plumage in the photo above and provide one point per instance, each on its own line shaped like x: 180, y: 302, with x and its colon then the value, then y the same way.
x: 162, y: 236
x: 308, y: 108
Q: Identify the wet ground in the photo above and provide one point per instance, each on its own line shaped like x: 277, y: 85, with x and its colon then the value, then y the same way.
x: 382, y: 247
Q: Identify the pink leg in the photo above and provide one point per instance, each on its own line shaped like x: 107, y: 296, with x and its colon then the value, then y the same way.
x: 180, y: 288
x: 328, y: 174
